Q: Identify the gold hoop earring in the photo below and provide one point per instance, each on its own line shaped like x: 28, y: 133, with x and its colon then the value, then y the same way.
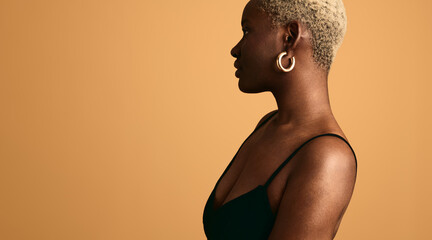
x: 279, y: 62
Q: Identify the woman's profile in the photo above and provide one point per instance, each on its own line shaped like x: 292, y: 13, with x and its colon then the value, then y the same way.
x: 294, y: 175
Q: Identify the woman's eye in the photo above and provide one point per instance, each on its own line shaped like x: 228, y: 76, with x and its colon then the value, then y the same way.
x: 245, y: 31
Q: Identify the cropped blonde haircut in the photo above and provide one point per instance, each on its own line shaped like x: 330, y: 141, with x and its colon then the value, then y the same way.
x: 325, y: 19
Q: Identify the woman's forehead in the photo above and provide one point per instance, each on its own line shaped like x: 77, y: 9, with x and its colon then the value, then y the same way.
x: 252, y: 13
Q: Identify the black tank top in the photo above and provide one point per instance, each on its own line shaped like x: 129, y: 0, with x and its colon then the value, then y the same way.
x: 248, y: 216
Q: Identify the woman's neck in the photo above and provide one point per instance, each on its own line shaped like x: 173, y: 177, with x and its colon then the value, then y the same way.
x: 302, y: 98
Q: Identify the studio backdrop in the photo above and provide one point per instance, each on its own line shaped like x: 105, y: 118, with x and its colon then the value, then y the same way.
x: 117, y: 117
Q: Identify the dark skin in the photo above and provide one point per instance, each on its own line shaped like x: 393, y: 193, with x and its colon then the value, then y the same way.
x: 311, y: 193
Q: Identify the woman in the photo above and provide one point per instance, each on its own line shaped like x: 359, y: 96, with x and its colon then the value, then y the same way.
x: 287, y: 49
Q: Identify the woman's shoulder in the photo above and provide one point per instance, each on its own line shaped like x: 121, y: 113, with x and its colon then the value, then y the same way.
x: 329, y: 152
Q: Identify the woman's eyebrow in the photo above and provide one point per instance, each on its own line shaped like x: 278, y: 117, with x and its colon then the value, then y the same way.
x: 244, y: 21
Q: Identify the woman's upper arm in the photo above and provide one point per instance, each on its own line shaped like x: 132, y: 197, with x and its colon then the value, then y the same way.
x: 317, y: 191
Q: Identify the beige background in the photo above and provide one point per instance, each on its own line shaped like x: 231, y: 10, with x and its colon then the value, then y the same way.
x: 117, y: 117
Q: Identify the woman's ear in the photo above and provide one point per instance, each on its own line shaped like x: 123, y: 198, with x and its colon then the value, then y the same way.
x: 292, y: 35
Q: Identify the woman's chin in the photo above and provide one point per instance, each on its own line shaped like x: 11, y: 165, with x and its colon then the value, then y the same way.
x: 247, y: 88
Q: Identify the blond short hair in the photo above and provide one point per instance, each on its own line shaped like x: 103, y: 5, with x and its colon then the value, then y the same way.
x: 325, y: 19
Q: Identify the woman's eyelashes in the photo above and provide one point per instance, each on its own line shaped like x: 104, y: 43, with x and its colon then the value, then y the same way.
x: 245, y: 31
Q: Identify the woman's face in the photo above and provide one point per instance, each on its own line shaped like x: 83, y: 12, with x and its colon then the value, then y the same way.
x: 256, y: 52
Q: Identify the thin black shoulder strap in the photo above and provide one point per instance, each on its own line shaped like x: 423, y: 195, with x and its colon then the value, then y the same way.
x: 265, y: 120
x: 232, y: 160
x: 294, y: 153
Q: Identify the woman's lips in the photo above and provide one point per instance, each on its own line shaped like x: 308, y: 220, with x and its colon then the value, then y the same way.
x: 236, y: 64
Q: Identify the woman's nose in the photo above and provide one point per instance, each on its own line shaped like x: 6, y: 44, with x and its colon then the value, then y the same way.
x: 235, y: 51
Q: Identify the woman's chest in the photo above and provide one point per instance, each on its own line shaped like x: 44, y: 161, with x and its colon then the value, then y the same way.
x: 252, y: 166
